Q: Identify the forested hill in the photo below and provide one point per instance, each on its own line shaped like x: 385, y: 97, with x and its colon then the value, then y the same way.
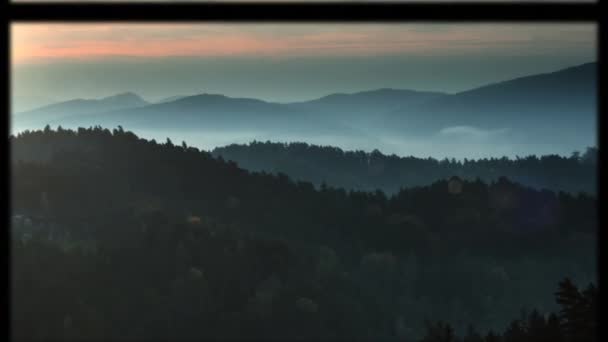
x: 370, y: 171
x: 178, y: 226
x: 101, y: 171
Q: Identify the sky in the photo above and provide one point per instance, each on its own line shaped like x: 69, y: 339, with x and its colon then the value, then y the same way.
x: 280, y: 62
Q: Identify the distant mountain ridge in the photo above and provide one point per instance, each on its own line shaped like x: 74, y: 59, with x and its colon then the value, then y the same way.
x: 205, y: 112
x: 521, y: 108
x: 383, y: 96
x: 361, y: 107
x: 83, y: 107
x: 565, y: 96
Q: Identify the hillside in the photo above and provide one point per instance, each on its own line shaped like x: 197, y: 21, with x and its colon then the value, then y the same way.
x: 262, y: 250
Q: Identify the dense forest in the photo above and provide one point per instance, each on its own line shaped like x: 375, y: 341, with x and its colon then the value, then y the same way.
x: 116, y: 237
x: 360, y: 170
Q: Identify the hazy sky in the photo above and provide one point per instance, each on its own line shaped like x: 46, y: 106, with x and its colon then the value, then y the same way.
x: 281, y: 61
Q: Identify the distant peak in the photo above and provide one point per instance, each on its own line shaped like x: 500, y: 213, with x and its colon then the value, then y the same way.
x: 575, y: 68
x: 125, y: 95
x: 388, y: 91
x: 199, y: 98
x: 589, y: 65
x: 129, y: 98
x: 207, y: 95
x: 215, y: 98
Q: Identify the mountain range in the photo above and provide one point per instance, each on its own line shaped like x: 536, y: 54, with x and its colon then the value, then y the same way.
x: 522, y: 107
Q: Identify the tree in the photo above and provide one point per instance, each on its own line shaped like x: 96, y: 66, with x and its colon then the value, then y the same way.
x: 576, y: 155
x: 472, y: 335
x: 589, y: 319
x: 515, y: 332
x: 536, y: 327
x: 590, y: 156
x: 553, y: 332
x: 572, y: 310
x: 439, y: 332
x: 493, y: 337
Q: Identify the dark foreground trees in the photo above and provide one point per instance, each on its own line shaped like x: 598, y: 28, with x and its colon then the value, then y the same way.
x: 576, y: 321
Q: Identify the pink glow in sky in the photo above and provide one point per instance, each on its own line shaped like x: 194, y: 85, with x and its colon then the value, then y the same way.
x: 60, y: 42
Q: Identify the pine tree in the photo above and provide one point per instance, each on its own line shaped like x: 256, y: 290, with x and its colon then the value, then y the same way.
x: 572, y: 311
x: 553, y: 330
x: 589, y: 319
x: 493, y: 337
x: 536, y: 327
x: 439, y: 332
x: 472, y: 335
x: 515, y: 332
